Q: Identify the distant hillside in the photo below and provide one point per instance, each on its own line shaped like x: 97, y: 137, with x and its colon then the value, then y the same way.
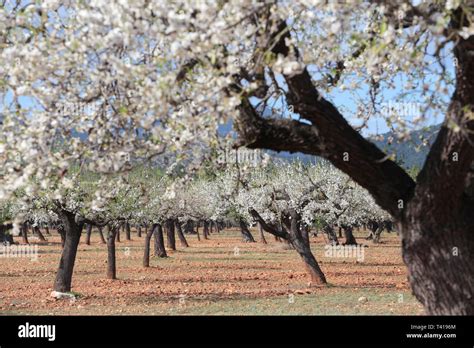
x: 409, y: 153
x: 413, y: 151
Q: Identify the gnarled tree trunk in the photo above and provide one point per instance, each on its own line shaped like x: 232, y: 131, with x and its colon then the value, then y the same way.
x: 434, y: 213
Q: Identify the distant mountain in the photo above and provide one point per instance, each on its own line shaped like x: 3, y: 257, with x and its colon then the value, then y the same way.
x: 412, y: 151
x: 408, y: 153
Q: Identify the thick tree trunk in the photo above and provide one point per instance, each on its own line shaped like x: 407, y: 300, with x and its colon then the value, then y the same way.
x: 111, y: 257
x: 245, y: 232
x: 38, y: 233
x: 72, y: 232
x: 146, y: 253
x: 305, y: 234
x: 160, y: 250
x: 441, y: 263
x: 262, y: 236
x: 435, y: 213
x: 62, y: 233
x: 350, y: 239
x: 139, y: 231
x: 128, y: 234
x: 88, y: 234
x: 182, y: 238
x: 170, y: 235
x: 437, y: 225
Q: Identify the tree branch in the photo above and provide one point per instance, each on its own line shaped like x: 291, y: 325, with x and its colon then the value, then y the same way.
x: 268, y: 228
x: 329, y: 136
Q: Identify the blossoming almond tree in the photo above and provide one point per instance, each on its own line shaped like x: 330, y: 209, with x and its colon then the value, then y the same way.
x: 154, y: 76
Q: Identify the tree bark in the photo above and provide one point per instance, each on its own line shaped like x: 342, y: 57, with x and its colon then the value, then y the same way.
x: 375, y: 229
x: 262, y: 236
x: 4, y: 237
x: 139, y: 231
x: 245, y: 232
x: 197, y: 231
x: 88, y: 234
x: 331, y: 235
x: 24, y: 233
x: 205, y: 229
x: 117, y: 239
x: 146, y: 254
x: 182, y: 238
x: 170, y: 235
x: 111, y: 257
x: 160, y: 250
x: 101, y: 235
x: 128, y: 234
x: 438, y: 222
x: 38, y: 233
x: 72, y: 232
x: 299, y: 239
x: 311, y: 265
x: 435, y: 214
x: 62, y: 233
x: 350, y: 239
x: 293, y: 230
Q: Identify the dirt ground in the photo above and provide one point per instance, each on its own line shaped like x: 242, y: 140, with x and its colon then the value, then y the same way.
x: 219, y: 276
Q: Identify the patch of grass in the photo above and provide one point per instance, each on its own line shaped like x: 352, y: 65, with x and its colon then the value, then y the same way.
x: 339, y: 302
